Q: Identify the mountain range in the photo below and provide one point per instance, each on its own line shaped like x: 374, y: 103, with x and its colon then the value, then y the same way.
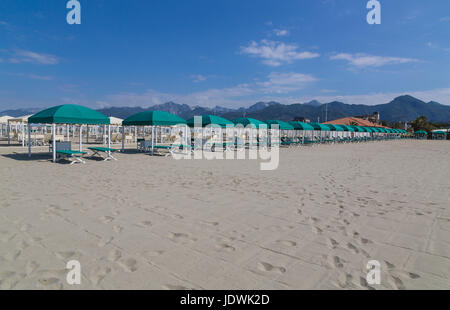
x: 401, y: 109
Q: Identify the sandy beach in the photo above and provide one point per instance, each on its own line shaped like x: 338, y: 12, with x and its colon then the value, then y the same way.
x: 146, y: 222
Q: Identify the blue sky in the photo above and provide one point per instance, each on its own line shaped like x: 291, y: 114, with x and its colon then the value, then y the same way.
x: 230, y: 53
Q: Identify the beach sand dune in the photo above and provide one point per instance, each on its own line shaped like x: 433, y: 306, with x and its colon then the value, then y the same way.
x: 147, y: 222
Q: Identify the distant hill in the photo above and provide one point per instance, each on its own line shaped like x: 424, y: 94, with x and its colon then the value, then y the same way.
x: 403, y: 108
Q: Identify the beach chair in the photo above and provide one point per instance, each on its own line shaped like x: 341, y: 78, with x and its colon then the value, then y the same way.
x: 98, y: 151
x: 64, y: 152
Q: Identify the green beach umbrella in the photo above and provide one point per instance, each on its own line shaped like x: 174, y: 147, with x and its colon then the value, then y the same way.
x: 358, y: 128
x: 320, y: 127
x: 301, y: 126
x: 211, y: 120
x: 282, y: 125
x: 348, y: 128
x: 335, y: 127
x: 153, y: 118
x: 246, y: 121
x: 69, y: 114
x: 421, y: 132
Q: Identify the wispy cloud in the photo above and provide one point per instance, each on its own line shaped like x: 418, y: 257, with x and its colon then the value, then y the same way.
x: 275, y: 53
x: 281, y: 32
x: 236, y: 96
x: 282, y: 83
x: 24, y: 56
x: 32, y: 76
x: 198, y: 78
x: 364, y: 60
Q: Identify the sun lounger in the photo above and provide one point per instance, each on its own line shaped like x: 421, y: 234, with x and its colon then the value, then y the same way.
x: 103, y: 150
x: 72, y: 156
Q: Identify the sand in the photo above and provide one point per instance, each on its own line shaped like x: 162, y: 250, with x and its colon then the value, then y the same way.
x: 147, y: 222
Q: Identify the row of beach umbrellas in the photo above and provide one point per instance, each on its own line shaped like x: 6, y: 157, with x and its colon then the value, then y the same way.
x: 75, y: 114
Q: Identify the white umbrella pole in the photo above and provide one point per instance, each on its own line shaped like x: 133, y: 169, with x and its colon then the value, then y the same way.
x: 81, y: 138
x: 153, y: 138
x: 29, y: 141
x: 54, y: 142
x: 68, y: 132
x: 104, y: 131
x: 109, y: 139
x: 8, y: 130
x: 123, y: 139
x: 23, y: 134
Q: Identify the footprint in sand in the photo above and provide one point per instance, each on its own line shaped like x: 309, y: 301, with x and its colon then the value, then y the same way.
x: 397, y: 282
x: 30, y: 267
x: 99, y: 275
x: 175, y: 287
x: 129, y: 264
x: 13, y: 255
x: 181, y: 237
x: 332, y: 243
x: 345, y: 280
x: 106, y: 219
x: 316, y: 230
x: 118, y: 229
x: 48, y: 281
x: 65, y: 255
x: 114, y: 255
x: 335, y: 261
x: 105, y: 241
x: 287, y: 243
x: 226, y: 247
x: 144, y: 224
x: 266, y: 267
x: 352, y: 248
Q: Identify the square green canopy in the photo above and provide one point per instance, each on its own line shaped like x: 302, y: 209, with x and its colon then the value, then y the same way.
x: 69, y: 114
x: 153, y: 118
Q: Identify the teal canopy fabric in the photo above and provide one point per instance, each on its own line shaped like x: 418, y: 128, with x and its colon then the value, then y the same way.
x: 301, y: 126
x: 421, y: 132
x: 153, y: 118
x: 348, y: 128
x: 320, y: 127
x: 282, y: 125
x: 439, y: 133
x: 211, y: 120
x: 358, y: 128
x: 375, y: 129
x: 69, y: 114
x: 246, y: 121
x: 335, y: 127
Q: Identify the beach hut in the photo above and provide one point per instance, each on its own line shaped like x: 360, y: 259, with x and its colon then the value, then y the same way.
x: 421, y: 135
x: 154, y: 119
x: 304, y: 127
x: 322, y: 128
x: 251, y: 125
x: 68, y: 114
x: 336, y: 130
x: 3, y: 124
x: 212, y: 125
x: 439, y: 135
x: 279, y: 127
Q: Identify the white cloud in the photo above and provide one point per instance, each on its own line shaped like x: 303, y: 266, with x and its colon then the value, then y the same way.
x: 276, y: 53
x: 364, y: 60
x: 282, y: 83
x: 236, y: 96
x: 32, y: 76
x: 21, y: 56
x: 281, y: 32
x: 198, y: 78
